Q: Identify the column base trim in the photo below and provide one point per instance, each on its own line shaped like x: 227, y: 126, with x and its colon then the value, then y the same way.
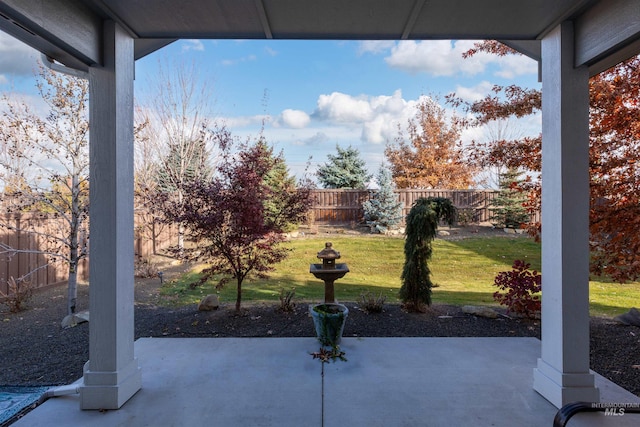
x: 562, y: 388
x: 110, y: 396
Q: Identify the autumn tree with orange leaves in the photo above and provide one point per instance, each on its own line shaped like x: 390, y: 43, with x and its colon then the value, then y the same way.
x: 614, y: 154
x: 432, y: 157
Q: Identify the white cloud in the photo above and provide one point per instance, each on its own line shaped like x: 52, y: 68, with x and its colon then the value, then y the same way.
x: 245, y: 121
x: 477, y: 133
x: 235, y: 61
x: 270, y: 51
x: 444, y: 58
x: 516, y: 65
x: 319, y: 138
x: 16, y: 58
x: 436, y: 57
x: 375, y: 46
x: 196, y: 45
x: 295, y: 119
x: 34, y: 102
x: 474, y: 93
x: 377, y: 117
x: 342, y: 108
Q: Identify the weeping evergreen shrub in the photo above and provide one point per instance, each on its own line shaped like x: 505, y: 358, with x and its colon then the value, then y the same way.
x: 444, y: 209
x: 421, y: 228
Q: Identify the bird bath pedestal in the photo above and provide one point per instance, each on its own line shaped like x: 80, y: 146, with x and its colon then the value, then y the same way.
x: 329, y: 318
x: 329, y: 271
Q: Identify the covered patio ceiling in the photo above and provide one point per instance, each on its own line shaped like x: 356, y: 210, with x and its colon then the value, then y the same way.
x: 67, y: 30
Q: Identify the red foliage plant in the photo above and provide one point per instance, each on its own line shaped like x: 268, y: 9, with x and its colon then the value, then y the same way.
x: 227, y: 218
x: 522, y: 288
x: 614, y: 156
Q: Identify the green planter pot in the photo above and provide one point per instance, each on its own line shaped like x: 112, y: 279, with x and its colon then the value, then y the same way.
x: 329, y: 319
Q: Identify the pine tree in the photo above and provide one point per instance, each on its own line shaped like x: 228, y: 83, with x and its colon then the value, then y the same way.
x: 289, y: 201
x: 184, y: 163
x: 345, y: 170
x: 508, y: 207
x: 383, y: 211
x: 422, y: 225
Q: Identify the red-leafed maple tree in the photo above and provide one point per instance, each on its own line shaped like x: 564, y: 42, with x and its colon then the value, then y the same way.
x: 614, y: 154
x: 231, y: 218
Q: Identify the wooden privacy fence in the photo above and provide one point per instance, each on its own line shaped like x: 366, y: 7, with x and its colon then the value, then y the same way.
x: 31, y: 240
x: 150, y: 237
x: 345, y: 206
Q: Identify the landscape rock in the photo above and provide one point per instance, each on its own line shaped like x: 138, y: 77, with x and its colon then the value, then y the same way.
x: 393, y: 232
x: 443, y: 233
x: 209, y: 303
x: 631, y: 317
x: 75, y: 319
x: 480, y: 311
x: 510, y: 231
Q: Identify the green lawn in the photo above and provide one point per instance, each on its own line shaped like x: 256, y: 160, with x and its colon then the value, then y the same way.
x: 463, y: 270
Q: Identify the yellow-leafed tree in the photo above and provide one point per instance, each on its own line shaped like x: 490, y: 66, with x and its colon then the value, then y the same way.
x: 432, y: 156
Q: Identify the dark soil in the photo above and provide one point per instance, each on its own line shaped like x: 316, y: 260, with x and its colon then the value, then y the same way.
x: 37, y: 351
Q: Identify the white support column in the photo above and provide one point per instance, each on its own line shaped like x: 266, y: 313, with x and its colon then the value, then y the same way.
x: 112, y: 375
x: 562, y: 375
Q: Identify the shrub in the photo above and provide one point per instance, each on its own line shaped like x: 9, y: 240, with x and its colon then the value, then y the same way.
x: 19, y: 292
x: 522, y: 288
x: 466, y: 216
x: 383, y: 211
x: 372, y: 303
x: 444, y: 209
x: 144, y: 268
x: 286, y: 300
x: 422, y: 225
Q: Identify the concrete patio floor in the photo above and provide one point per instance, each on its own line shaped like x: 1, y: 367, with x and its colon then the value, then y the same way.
x: 385, y: 382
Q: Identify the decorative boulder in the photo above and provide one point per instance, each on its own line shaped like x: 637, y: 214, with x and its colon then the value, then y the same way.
x: 480, y: 311
x: 72, y: 320
x: 631, y: 317
x: 209, y: 303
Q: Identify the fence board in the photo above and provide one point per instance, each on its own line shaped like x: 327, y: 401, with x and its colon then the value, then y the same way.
x: 333, y: 206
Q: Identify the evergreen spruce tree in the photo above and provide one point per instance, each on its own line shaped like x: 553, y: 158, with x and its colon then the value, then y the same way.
x: 290, y: 199
x: 507, y: 207
x: 383, y: 211
x: 345, y: 170
x: 183, y: 165
x: 421, y: 228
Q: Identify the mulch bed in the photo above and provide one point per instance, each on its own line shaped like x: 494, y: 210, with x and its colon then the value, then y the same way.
x: 37, y: 351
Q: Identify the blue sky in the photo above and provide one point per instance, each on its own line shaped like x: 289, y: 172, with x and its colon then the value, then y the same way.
x: 313, y: 95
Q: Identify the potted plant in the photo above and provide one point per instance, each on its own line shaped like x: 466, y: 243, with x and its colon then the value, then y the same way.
x: 329, y: 319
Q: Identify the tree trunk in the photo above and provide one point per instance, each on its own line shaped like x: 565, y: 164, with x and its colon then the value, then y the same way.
x: 154, y: 237
x: 181, y: 232
x: 181, y: 229
x: 239, y: 294
x: 72, y: 288
x: 72, y: 284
